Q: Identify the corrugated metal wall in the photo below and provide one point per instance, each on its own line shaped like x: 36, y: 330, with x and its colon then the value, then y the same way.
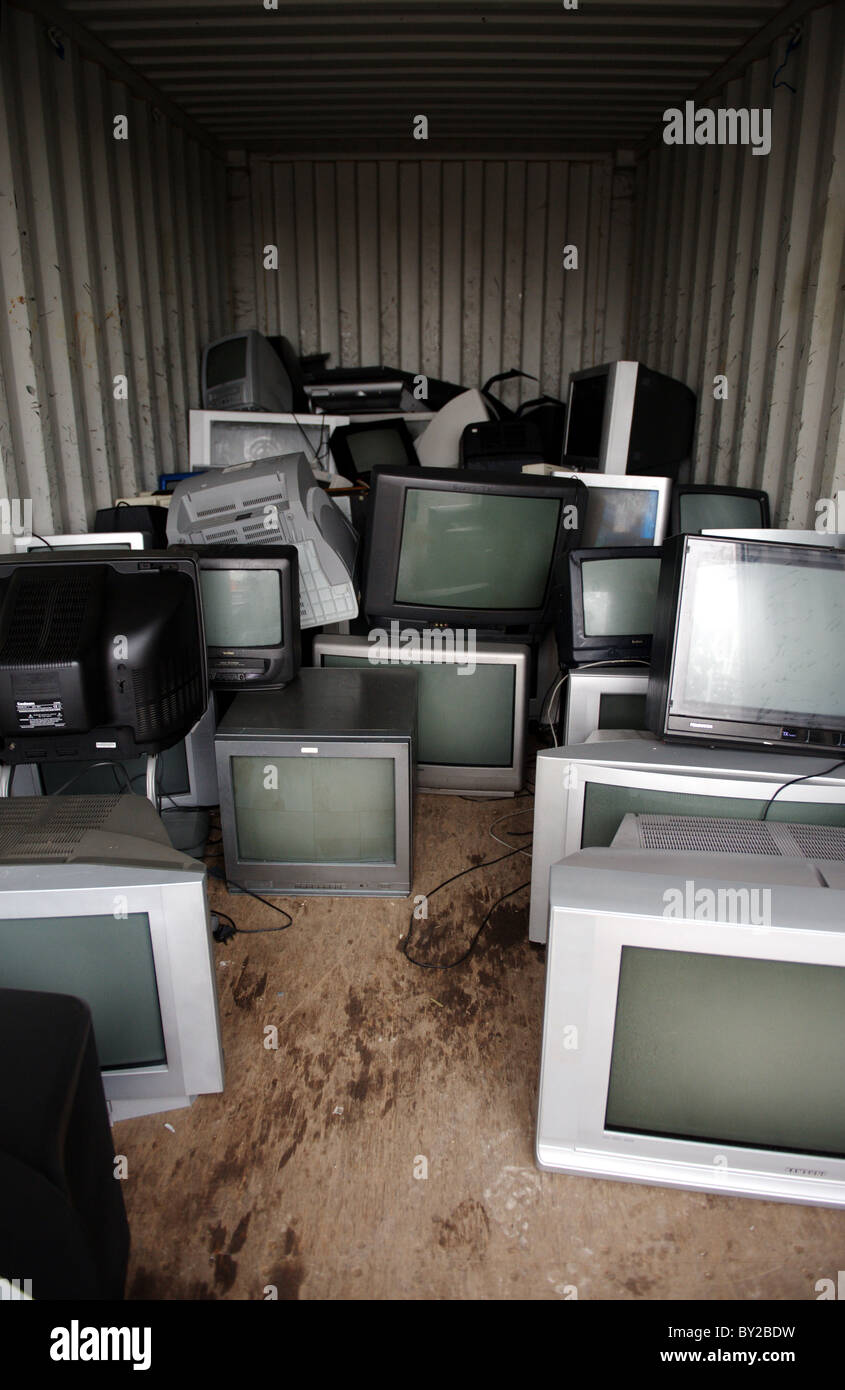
x: 113, y: 263
x: 451, y: 268
x: 740, y: 270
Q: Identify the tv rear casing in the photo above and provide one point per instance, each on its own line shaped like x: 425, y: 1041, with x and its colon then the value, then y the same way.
x: 384, y: 543
x: 818, y: 740
x: 437, y: 777
x: 350, y: 713
x: 642, y: 770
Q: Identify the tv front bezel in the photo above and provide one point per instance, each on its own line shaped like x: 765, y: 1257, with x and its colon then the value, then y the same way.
x: 457, y: 779
x: 284, y: 658
x: 278, y: 878
x: 736, y: 728
x: 680, y: 490
x: 389, y: 489
x: 174, y: 901
x: 584, y: 691
x: 576, y: 645
x: 582, y: 981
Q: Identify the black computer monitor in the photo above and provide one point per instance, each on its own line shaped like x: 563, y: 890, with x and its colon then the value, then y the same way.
x: 358, y: 449
x: 700, y: 507
x: 101, y: 654
x: 607, y: 604
x: 457, y: 547
x: 625, y: 417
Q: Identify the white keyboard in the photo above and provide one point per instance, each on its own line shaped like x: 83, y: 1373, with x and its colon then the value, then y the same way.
x: 319, y: 601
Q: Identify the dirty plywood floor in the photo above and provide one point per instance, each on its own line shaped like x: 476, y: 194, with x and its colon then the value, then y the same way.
x: 304, y: 1176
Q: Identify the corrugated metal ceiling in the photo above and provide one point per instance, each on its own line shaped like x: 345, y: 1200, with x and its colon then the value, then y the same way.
x: 350, y: 75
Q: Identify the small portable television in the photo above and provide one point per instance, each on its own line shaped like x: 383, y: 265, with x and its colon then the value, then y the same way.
x: 699, y: 507
x: 359, y: 448
x: 749, y: 645
x: 623, y: 509
x: 96, y: 903
x: 316, y: 785
x: 685, y: 1073
x: 102, y: 655
x: 250, y: 598
x: 623, y: 415
x: 472, y: 707
x: 243, y: 372
x: 606, y: 609
x: 584, y: 791
x: 468, y: 548
x: 604, y: 698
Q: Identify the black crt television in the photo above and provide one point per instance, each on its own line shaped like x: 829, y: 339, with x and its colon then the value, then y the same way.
x: 749, y: 645
x: 471, y: 548
x: 359, y: 448
x: 102, y: 654
x: 607, y: 604
x: 625, y: 416
x: 250, y: 598
x: 700, y: 507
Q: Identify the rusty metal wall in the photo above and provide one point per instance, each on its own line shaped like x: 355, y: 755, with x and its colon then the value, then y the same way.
x: 740, y: 272
x: 112, y: 265
x: 451, y: 268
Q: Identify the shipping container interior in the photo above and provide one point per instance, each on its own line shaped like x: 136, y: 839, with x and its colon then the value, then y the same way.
x: 452, y: 191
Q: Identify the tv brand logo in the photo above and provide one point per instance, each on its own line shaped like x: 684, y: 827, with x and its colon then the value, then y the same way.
x: 407, y: 645
x: 16, y: 516
x: 77, y: 1343
x: 725, y: 126
x: 749, y: 907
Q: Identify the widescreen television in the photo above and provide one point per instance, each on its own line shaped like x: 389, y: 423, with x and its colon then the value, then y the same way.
x: 95, y: 902
x: 468, y: 548
x: 221, y: 438
x: 582, y: 792
x: 101, y: 655
x: 698, y: 507
x: 316, y: 785
x: 709, y: 1047
x: 250, y: 599
x: 749, y: 645
x: 623, y: 509
x: 243, y: 372
x: 626, y: 416
x: 607, y: 606
x: 472, y: 706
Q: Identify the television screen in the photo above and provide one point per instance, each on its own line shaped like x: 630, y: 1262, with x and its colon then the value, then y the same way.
x: 226, y: 361
x: 586, y: 412
x: 700, y: 511
x: 700, y: 1051
x: 112, y: 971
x: 475, y: 550
x: 242, y: 608
x: 616, y: 516
x: 619, y: 595
x: 465, y: 719
x: 760, y: 634
x: 621, y: 712
x: 377, y: 448
x: 301, y: 810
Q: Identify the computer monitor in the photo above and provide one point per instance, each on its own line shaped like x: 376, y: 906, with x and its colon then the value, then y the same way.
x: 186, y: 774
x: 607, y: 606
x: 749, y: 645
x: 358, y: 449
x: 91, y: 540
x: 623, y: 509
x: 627, y: 417
x: 102, y: 656
x: 604, y: 698
x: 583, y: 792
x: 120, y: 919
x: 275, y: 502
x: 316, y: 785
x: 467, y: 548
x: 472, y: 707
x: 250, y: 599
x: 221, y: 438
x: 243, y: 372
x: 708, y: 1049
x: 698, y: 507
